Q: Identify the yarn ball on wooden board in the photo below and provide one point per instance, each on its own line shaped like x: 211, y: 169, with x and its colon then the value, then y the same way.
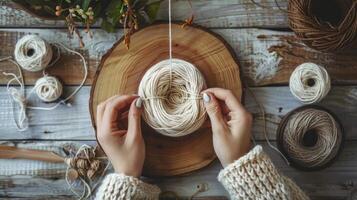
x: 328, y: 26
x: 33, y: 53
x: 48, y: 88
x: 172, y: 102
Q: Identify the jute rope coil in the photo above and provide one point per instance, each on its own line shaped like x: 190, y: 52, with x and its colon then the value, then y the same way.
x: 48, y: 88
x: 310, y: 137
x: 309, y: 83
x: 322, y: 34
x: 33, y: 53
x: 171, y: 97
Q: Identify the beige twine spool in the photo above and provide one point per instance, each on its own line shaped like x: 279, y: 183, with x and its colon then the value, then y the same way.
x: 172, y: 101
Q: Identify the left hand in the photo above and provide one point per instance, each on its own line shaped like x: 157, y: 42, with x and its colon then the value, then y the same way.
x: 124, y: 148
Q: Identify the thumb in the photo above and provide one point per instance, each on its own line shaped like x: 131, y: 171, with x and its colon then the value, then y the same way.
x: 214, y: 112
x: 134, y: 120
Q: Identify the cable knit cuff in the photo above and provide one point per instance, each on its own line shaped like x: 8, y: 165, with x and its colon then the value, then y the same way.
x: 119, y: 186
x: 254, y: 176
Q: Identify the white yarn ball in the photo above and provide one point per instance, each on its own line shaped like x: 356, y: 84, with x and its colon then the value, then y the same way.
x: 48, y: 88
x: 33, y: 53
x: 310, y: 83
x: 171, y: 97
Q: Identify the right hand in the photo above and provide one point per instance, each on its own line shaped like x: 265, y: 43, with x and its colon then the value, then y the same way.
x: 125, y: 148
x: 231, y: 124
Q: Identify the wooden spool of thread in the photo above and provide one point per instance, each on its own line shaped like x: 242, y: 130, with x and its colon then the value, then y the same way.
x: 310, y: 137
x: 324, y: 25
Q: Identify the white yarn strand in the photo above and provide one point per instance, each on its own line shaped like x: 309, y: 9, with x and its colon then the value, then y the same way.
x: 33, y: 53
x: 170, y: 91
x: 17, y: 96
x: 309, y: 83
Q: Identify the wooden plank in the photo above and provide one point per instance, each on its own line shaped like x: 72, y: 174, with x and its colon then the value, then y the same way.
x: 277, y: 101
x: 266, y: 57
x: 213, y: 14
x: 340, y: 183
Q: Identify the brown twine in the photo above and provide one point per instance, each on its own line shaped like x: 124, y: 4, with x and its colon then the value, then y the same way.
x: 324, y: 31
x: 310, y: 137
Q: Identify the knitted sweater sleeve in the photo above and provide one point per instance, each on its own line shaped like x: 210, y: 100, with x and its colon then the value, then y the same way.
x: 119, y: 186
x: 254, y: 176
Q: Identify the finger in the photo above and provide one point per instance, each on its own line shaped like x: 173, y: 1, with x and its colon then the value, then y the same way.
x: 214, y: 112
x: 134, y: 120
x: 100, y: 112
x: 114, y: 107
x: 101, y: 109
x: 228, y: 97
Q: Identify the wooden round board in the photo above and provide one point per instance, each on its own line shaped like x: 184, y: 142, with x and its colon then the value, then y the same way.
x: 121, y: 70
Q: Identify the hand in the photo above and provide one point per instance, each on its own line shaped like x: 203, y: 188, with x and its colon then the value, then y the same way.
x: 231, y: 124
x: 124, y: 148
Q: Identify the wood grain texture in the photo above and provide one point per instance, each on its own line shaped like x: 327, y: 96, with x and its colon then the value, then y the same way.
x: 266, y: 57
x: 336, y: 182
x: 211, y: 14
x: 120, y: 73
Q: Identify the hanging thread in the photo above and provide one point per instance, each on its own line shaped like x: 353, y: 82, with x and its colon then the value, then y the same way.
x: 48, y: 88
x: 18, y: 96
x: 310, y: 83
x: 33, y: 53
x: 171, y: 92
x: 310, y: 137
x: 174, y: 109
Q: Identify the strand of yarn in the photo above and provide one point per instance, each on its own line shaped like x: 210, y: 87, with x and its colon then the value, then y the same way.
x: 171, y: 92
x: 17, y: 96
x: 33, y: 53
x: 262, y: 111
x: 175, y: 110
x: 309, y: 83
x: 328, y: 133
x: 87, y: 167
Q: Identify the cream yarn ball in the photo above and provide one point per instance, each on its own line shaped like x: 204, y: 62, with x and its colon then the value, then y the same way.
x: 48, y: 88
x: 310, y: 83
x: 171, y: 97
x: 33, y: 53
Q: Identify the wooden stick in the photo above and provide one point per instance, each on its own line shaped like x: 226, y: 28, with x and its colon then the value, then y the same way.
x: 10, y: 152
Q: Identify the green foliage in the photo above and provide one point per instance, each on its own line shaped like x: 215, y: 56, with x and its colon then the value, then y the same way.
x: 112, y: 13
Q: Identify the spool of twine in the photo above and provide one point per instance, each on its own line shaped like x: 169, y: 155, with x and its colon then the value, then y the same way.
x: 171, y: 97
x: 324, y: 25
x: 33, y: 53
x: 48, y: 88
x: 310, y: 137
x: 310, y: 83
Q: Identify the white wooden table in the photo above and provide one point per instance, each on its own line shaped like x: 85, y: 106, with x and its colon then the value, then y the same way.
x: 267, y: 52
